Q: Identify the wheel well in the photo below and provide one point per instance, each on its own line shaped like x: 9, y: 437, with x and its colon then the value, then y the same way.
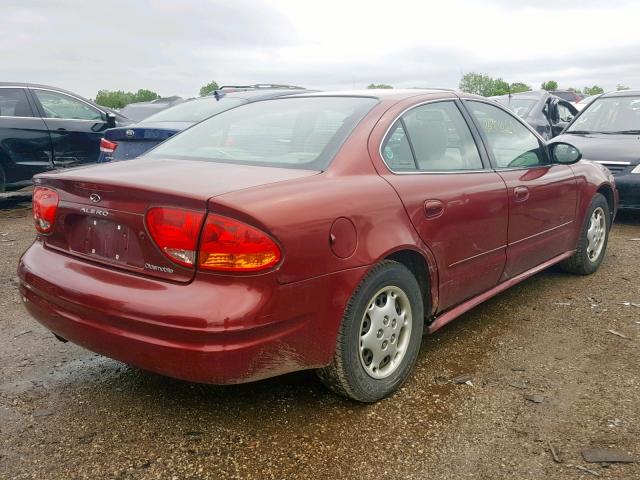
x: 606, y: 191
x: 417, y: 265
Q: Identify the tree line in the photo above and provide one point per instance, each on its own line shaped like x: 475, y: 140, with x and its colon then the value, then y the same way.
x: 472, y: 82
x: 483, y: 84
x: 120, y: 98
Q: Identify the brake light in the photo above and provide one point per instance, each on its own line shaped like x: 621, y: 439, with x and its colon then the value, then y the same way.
x: 175, y: 231
x: 107, y: 146
x: 45, y: 206
x: 231, y: 245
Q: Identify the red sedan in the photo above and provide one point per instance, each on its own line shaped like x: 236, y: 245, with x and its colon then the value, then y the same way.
x: 323, y: 231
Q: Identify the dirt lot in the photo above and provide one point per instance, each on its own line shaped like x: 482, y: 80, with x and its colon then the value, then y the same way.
x: 67, y: 413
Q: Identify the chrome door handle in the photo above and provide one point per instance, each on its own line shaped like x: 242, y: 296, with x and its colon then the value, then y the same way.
x: 433, y: 208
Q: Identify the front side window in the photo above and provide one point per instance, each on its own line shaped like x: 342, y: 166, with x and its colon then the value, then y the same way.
x: 564, y: 114
x: 432, y: 137
x: 59, y: 105
x: 303, y: 132
x: 14, y: 103
x: 512, y: 144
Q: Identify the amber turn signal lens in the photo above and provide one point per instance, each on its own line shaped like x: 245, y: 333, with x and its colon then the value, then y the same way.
x: 230, y: 245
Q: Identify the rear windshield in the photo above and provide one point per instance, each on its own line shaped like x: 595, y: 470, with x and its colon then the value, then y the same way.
x: 290, y: 132
x: 195, y: 111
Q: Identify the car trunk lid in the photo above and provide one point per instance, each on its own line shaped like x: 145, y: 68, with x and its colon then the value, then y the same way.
x: 101, y: 211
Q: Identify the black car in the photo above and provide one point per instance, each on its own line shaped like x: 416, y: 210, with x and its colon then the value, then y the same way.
x: 548, y: 114
x: 607, y: 131
x: 134, y: 140
x: 43, y: 127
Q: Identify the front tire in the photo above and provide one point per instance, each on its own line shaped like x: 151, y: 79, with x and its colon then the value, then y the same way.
x: 379, y: 337
x: 593, y: 239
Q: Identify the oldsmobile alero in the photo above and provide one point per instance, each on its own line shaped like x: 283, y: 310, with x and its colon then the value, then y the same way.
x: 325, y: 231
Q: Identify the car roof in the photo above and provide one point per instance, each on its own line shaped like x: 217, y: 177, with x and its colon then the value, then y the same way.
x: 621, y: 93
x: 387, y: 93
x: 263, y: 94
x: 38, y: 85
x: 532, y: 94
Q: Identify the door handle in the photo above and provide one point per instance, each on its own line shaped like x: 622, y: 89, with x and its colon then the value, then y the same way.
x: 433, y: 208
x: 521, y: 194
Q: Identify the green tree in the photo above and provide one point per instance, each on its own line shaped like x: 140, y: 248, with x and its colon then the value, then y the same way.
x: 378, y: 85
x: 208, y: 88
x: 120, y: 98
x: 518, y: 87
x: 550, y: 85
x: 143, y: 95
x: 595, y: 90
x: 477, y: 83
x: 622, y: 87
x: 500, y: 87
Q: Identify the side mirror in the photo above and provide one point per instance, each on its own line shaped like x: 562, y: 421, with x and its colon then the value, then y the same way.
x: 111, y: 120
x: 564, y: 153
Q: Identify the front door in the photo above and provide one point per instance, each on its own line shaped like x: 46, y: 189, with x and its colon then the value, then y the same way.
x: 25, y: 146
x: 457, y: 205
x: 76, y: 127
x: 542, y: 196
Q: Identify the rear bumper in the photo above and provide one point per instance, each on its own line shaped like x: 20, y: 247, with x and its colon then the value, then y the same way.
x: 217, y: 329
x: 629, y: 190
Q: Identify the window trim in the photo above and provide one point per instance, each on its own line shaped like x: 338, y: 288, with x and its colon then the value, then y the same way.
x: 44, y: 117
x: 398, y: 117
x: 485, y: 140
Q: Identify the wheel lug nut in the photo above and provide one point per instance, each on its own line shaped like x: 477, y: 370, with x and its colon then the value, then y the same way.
x: 385, y: 321
x: 393, y: 338
x: 384, y: 344
x: 394, y: 323
x: 380, y: 333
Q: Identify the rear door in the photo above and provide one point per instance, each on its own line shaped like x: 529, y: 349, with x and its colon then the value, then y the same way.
x: 456, y: 203
x: 25, y: 146
x: 542, y: 195
x: 76, y: 126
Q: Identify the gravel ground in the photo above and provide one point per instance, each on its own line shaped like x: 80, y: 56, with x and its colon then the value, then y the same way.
x: 66, y: 413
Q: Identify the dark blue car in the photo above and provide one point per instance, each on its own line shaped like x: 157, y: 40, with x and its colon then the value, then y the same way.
x: 43, y: 127
x: 134, y: 140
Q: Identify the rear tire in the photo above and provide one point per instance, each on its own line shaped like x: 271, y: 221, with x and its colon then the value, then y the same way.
x: 379, y: 337
x: 593, y: 239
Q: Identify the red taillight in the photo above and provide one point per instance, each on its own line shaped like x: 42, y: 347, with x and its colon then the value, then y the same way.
x: 175, y: 231
x: 231, y: 245
x: 106, y: 146
x: 45, y: 206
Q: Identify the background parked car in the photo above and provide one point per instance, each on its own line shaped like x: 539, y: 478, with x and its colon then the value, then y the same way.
x: 134, y: 140
x: 44, y: 127
x: 140, y: 110
x: 568, y: 95
x: 586, y: 101
x: 548, y: 114
x: 607, y: 131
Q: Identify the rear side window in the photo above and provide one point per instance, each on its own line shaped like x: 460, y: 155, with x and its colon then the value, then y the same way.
x: 14, y: 103
x: 432, y: 137
x: 512, y: 144
x: 303, y: 132
x: 59, y: 105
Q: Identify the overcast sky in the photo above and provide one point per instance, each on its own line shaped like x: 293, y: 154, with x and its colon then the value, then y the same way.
x: 174, y: 47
